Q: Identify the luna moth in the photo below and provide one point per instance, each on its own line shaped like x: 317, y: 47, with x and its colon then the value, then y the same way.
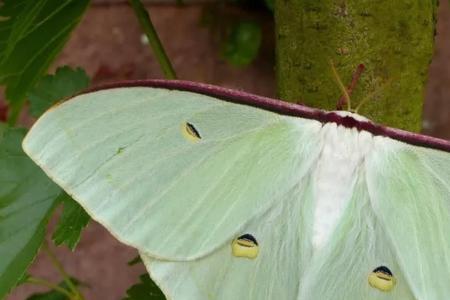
x: 229, y: 195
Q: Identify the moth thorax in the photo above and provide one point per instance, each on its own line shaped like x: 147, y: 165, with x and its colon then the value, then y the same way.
x: 345, y: 113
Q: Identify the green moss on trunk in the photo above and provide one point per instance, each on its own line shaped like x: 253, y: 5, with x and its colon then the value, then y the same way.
x: 393, y: 39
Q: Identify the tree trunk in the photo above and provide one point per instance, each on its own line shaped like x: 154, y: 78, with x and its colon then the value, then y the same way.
x: 393, y: 39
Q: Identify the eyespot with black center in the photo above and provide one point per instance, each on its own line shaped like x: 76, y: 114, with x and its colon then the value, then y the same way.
x: 190, y: 132
x: 382, y: 279
x: 245, y: 246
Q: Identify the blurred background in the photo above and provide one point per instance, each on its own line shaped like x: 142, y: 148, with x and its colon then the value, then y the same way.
x: 110, y: 46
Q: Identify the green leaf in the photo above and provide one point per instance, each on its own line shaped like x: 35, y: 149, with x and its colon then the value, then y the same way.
x: 243, y: 43
x: 50, y: 89
x: 27, y: 197
x: 32, y: 33
x: 269, y: 4
x: 53, y: 295
x: 73, y: 219
x: 3, y: 127
x: 135, y: 261
x: 23, y: 279
x: 146, y: 289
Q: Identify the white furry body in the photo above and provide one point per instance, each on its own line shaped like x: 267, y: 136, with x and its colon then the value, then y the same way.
x: 342, y: 154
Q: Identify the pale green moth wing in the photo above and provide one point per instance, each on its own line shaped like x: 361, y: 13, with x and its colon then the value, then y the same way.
x: 358, y: 246
x: 229, y: 201
x: 288, y: 266
x: 172, y: 173
x: 409, y: 189
x: 283, y: 235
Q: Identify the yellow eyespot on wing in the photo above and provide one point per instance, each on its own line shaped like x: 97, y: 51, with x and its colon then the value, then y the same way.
x: 245, y: 246
x: 190, y: 132
x: 382, y: 279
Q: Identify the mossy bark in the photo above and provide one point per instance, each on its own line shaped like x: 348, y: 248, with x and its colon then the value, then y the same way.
x: 393, y: 39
